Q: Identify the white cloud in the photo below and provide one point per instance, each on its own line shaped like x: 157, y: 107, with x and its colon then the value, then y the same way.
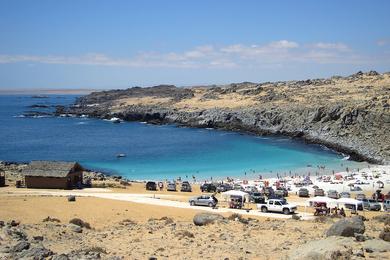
x: 270, y: 55
x: 331, y: 46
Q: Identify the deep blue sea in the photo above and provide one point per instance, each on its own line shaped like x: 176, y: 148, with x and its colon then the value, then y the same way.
x: 153, y: 152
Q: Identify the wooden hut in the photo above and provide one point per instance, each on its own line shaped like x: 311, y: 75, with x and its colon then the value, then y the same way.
x: 53, y: 175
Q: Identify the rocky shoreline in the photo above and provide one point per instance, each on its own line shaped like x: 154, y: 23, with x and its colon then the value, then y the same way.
x: 348, y: 114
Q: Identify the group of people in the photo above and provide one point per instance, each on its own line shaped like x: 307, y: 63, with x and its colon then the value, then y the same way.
x: 322, y: 210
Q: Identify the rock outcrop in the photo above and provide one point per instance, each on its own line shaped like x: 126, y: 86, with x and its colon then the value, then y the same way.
x: 348, y: 114
x: 347, y: 227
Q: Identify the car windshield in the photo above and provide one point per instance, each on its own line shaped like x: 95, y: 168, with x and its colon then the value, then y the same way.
x: 283, y: 202
x: 372, y: 201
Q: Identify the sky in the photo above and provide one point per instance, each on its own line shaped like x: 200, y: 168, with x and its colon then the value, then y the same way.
x: 120, y: 44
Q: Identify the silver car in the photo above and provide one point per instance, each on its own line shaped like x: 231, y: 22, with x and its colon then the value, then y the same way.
x: 203, y: 200
x: 371, y: 204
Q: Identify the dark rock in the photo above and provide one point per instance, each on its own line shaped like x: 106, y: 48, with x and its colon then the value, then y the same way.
x: 36, y: 253
x: 20, y: 246
x: 60, y: 257
x: 75, y: 228
x: 80, y: 223
x: 328, y: 248
x: 205, y: 218
x: 71, y: 198
x: 16, y: 233
x: 347, y: 227
x: 13, y: 223
x: 38, y: 238
x: 385, y: 234
x: 360, y: 237
x: 50, y: 219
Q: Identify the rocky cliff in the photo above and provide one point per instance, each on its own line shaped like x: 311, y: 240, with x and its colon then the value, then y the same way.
x: 349, y: 114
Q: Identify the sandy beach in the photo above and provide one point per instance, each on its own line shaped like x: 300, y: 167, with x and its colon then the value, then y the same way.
x: 132, y: 223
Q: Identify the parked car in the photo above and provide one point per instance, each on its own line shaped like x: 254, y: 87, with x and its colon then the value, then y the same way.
x: 371, y: 204
x: 355, y: 188
x: 237, y: 186
x: 171, y: 186
x: 303, y: 192
x: 203, y: 200
x: 282, y: 191
x: 151, y: 185
x: 360, y: 196
x: 185, y: 187
x: 277, y: 206
x: 333, y: 194
x: 386, y: 205
x: 223, y: 187
x: 256, y: 197
x: 208, y: 187
x: 345, y: 195
x: 319, y: 192
x: 268, y: 191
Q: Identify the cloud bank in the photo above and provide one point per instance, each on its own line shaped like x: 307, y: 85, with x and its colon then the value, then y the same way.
x: 273, y: 54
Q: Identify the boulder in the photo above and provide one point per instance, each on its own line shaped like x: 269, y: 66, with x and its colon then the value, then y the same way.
x: 35, y: 253
x: 347, y: 227
x: 71, y: 198
x: 205, y: 218
x: 20, y: 246
x: 385, y: 234
x: 329, y: 248
x: 75, y: 228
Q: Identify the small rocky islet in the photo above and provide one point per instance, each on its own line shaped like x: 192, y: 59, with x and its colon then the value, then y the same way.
x: 348, y: 114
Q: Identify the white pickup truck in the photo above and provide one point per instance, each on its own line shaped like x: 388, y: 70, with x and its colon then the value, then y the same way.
x: 276, y: 205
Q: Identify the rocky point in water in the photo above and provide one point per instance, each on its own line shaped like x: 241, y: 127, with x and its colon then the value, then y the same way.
x: 349, y: 114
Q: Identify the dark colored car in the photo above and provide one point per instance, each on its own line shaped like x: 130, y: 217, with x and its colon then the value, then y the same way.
x: 319, y: 192
x: 282, y: 191
x: 224, y: 187
x: 268, y: 191
x: 256, y: 197
x: 333, y: 194
x: 345, y: 195
x: 171, y: 186
x: 208, y: 187
x: 303, y: 192
x: 360, y: 196
x: 151, y: 185
x: 185, y: 187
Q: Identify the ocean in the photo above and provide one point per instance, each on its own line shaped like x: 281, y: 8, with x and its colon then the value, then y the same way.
x: 157, y: 152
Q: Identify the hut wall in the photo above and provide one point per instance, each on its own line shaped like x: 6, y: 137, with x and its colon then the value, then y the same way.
x: 74, y: 178
x: 46, y: 182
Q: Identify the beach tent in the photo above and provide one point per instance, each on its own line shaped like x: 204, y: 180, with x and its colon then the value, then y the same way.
x: 230, y: 193
x: 349, y: 201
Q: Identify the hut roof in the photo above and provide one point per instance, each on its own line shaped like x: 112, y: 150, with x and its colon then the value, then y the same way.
x: 50, y: 168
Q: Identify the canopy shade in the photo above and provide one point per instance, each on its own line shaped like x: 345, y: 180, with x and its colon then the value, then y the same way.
x: 235, y: 193
x: 321, y: 199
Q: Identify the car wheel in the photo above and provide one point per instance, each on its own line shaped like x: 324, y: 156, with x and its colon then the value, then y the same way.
x: 286, y: 211
x: 192, y: 203
x: 264, y: 209
x: 210, y: 204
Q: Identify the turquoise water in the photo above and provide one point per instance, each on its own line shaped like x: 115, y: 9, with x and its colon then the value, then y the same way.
x: 153, y: 152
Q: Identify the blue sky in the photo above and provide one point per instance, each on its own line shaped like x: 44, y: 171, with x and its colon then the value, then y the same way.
x: 117, y: 44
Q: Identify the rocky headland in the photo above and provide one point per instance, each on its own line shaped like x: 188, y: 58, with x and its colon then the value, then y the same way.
x: 348, y: 114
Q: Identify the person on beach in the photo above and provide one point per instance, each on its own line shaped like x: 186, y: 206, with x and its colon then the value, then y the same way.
x: 161, y: 185
x: 342, y: 212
